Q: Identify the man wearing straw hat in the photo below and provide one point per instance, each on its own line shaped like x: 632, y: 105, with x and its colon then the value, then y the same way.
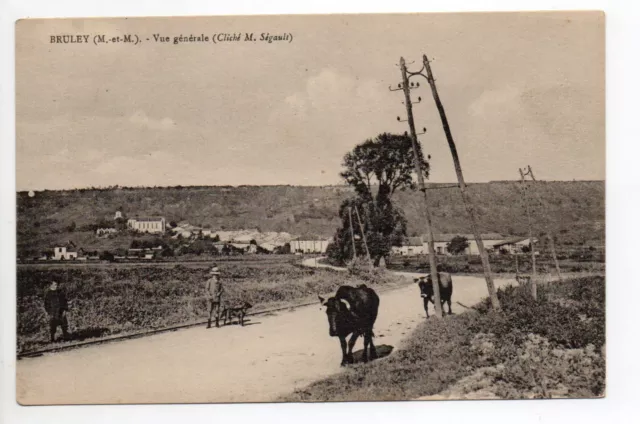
x: 214, y: 294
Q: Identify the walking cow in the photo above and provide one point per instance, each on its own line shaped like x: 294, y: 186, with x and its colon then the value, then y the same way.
x: 353, y: 310
x: 426, y: 290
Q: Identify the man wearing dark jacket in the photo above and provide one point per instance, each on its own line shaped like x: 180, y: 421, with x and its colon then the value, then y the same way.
x: 55, y: 303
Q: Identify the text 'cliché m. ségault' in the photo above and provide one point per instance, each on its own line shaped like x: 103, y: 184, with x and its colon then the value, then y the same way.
x: 223, y: 37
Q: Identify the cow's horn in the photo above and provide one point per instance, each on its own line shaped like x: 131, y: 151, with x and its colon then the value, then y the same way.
x: 346, y: 303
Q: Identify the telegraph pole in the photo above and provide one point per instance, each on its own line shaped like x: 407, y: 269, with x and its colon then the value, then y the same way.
x: 549, y: 234
x: 364, y: 238
x: 418, y: 169
x: 495, y: 303
x: 534, y: 286
x: 353, y: 240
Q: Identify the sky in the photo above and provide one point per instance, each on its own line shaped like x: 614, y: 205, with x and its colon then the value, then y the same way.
x: 518, y: 88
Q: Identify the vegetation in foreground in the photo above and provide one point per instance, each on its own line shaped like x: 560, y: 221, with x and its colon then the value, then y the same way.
x: 578, y: 260
x: 120, y: 300
x: 549, y: 348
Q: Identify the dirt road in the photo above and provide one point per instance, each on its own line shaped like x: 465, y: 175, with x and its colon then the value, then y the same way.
x: 271, y: 356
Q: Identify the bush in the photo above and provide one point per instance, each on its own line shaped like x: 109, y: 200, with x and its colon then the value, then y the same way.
x: 550, y: 316
x: 548, y: 348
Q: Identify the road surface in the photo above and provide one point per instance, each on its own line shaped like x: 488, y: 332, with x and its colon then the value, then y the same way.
x: 270, y: 357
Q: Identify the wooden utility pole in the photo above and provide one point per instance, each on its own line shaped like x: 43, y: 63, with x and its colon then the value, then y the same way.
x: 548, y: 226
x: 364, y: 238
x: 534, y: 284
x: 353, y: 240
x: 495, y: 303
x: 418, y: 169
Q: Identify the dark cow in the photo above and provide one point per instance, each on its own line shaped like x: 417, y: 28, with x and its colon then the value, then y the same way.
x: 426, y: 290
x: 353, y: 310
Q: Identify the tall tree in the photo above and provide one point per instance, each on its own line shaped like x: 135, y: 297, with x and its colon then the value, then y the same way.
x: 457, y: 245
x: 376, y: 169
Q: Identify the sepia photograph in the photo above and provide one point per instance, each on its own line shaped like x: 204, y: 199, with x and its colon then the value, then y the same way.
x: 310, y: 208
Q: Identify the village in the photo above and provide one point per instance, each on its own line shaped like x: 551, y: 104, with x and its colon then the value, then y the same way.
x: 175, y: 239
x: 181, y: 238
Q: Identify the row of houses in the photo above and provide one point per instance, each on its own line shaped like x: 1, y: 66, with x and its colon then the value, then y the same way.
x: 239, y: 239
x: 493, y: 242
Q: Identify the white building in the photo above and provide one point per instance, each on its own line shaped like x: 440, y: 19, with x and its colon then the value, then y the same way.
x: 105, y: 231
x: 147, y: 225
x: 118, y: 215
x: 64, y: 254
x: 309, y: 245
x: 514, y: 245
x: 440, y: 242
x: 410, y: 247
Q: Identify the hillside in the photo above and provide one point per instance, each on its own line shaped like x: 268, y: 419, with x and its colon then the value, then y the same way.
x: 577, y: 210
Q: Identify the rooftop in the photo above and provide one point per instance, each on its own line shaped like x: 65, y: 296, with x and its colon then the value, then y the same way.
x: 511, y: 240
x: 413, y: 241
x: 470, y: 237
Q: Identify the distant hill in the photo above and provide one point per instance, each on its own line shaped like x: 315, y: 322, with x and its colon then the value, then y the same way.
x: 577, y: 210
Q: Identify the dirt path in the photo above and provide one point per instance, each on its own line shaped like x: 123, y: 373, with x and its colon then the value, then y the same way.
x: 268, y: 358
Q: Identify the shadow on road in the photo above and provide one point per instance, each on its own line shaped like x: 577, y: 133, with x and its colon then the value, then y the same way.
x: 382, y: 350
x: 247, y: 322
x: 87, y: 333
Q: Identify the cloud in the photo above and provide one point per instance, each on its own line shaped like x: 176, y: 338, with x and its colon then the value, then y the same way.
x: 141, y: 118
x: 500, y: 100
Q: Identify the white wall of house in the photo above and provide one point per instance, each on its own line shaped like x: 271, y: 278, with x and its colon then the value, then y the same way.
x: 517, y: 247
x: 309, y: 246
x: 104, y: 231
x: 473, y: 246
x: 147, y: 225
x: 441, y: 247
x: 409, y: 250
x: 61, y: 253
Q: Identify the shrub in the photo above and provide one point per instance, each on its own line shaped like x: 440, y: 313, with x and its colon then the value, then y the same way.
x: 530, y: 349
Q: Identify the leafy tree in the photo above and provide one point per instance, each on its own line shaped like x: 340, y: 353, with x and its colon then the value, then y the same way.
x: 72, y: 227
x: 376, y: 169
x: 106, y: 256
x: 216, y: 238
x: 285, y: 249
x: 173, y: 224
x: 457, y: 245
x: 120, y: 224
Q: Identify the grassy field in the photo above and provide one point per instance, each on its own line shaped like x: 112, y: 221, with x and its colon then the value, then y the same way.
x: 121, y: 298
x: 592, y: 261
x: 549, y: 348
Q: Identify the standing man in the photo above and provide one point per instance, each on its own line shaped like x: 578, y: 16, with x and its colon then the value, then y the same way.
x: 55, y: 303
x: 214, y: 292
